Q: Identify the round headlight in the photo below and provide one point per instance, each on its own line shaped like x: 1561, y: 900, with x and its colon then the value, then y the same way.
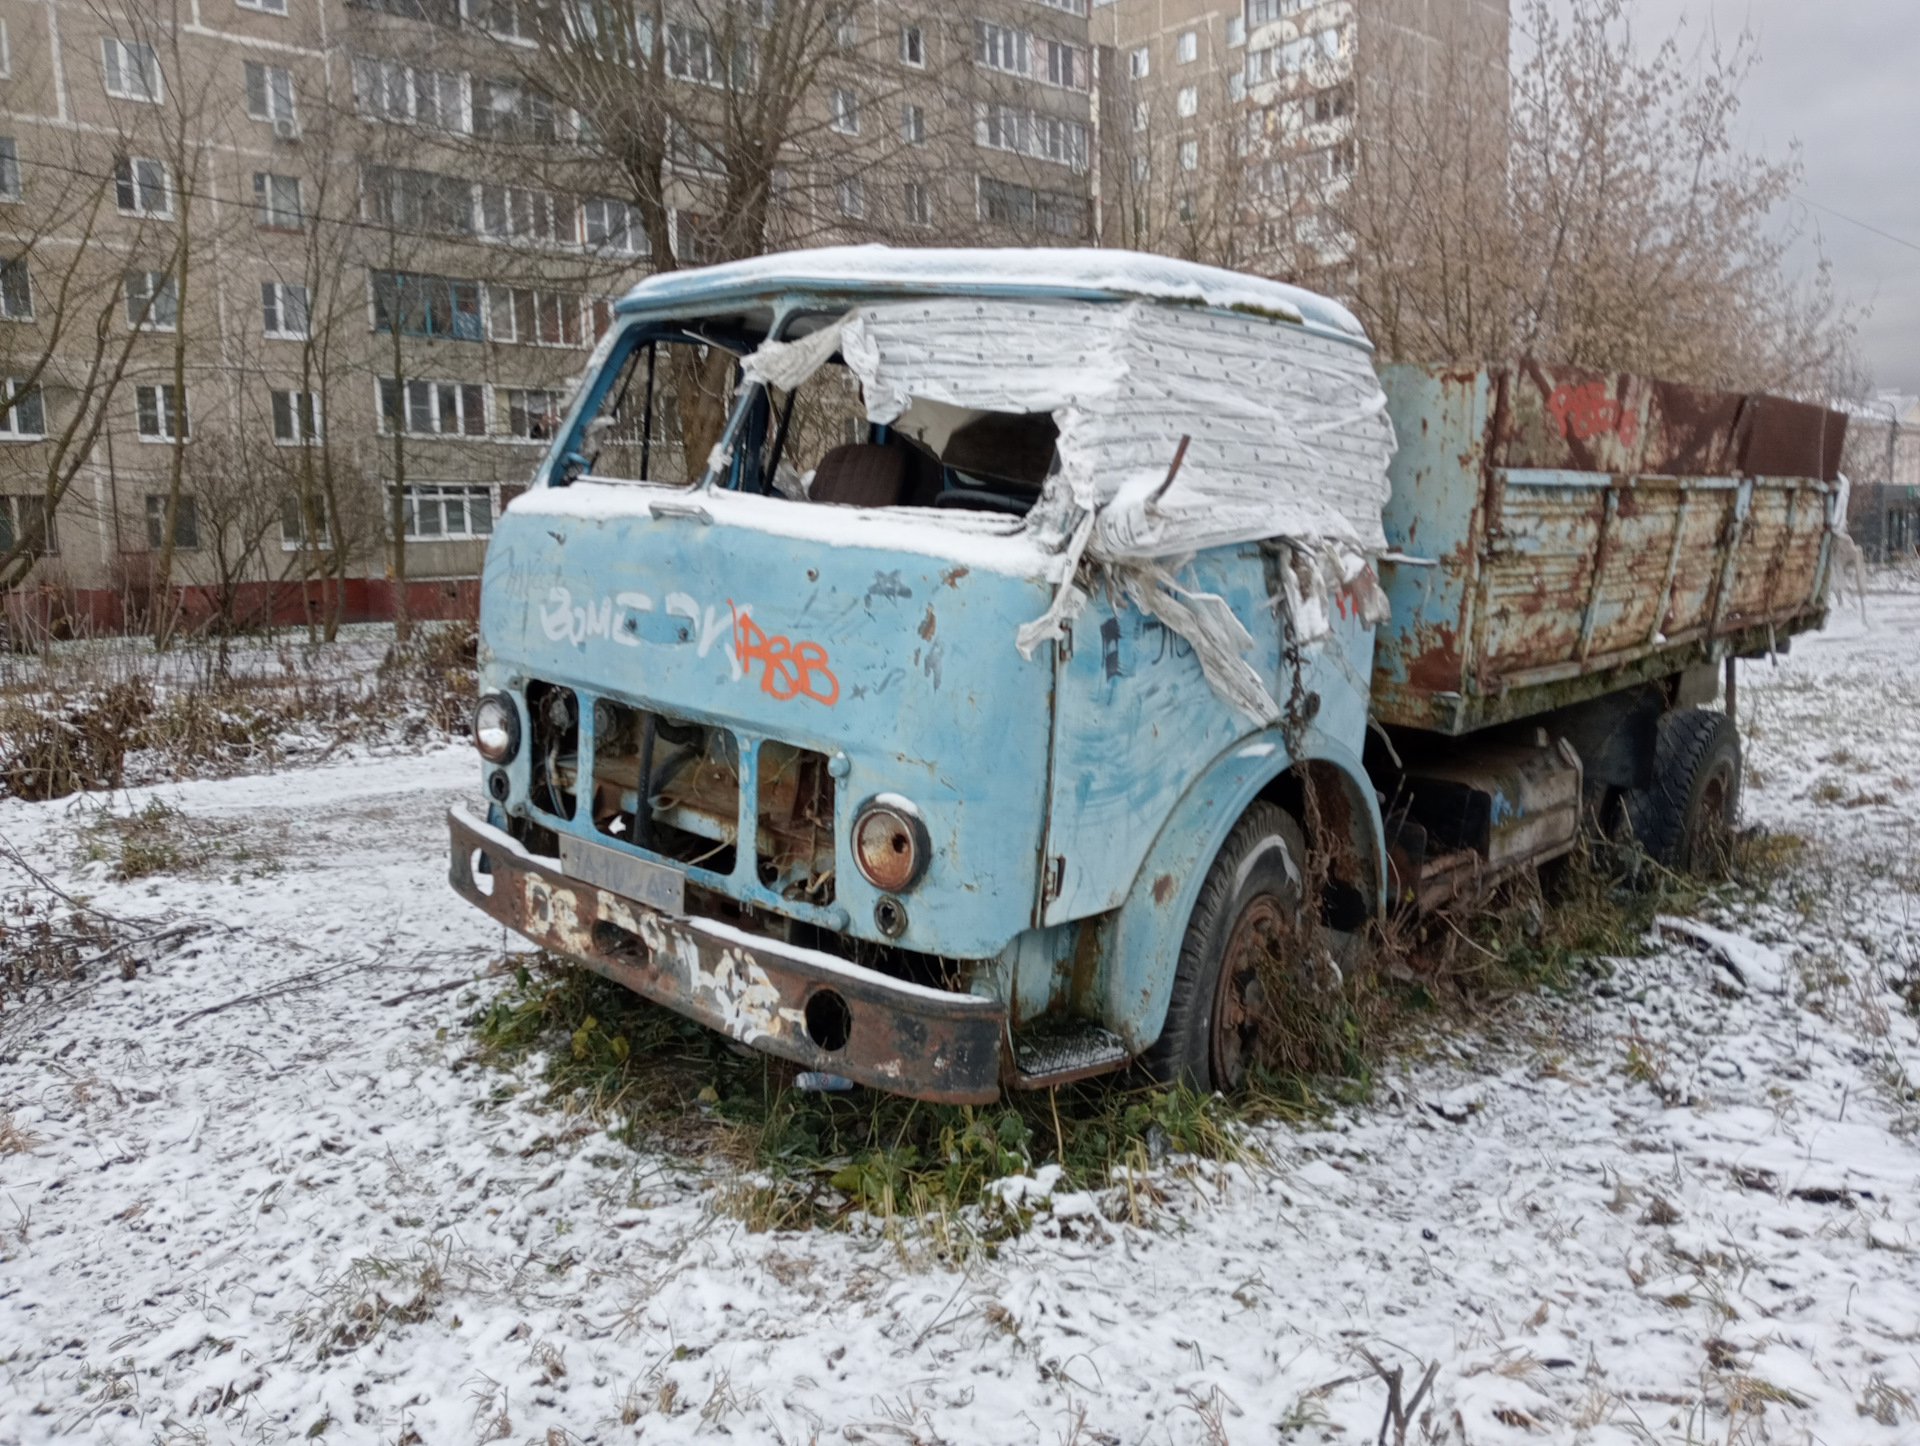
x: 890, y: 844
x: 496, y: 728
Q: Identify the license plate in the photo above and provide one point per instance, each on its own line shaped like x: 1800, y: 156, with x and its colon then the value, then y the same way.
x: 658, y: 886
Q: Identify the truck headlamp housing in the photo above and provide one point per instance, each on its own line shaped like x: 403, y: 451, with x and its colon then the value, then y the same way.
x: 496, y: 728
x: 890, y: 843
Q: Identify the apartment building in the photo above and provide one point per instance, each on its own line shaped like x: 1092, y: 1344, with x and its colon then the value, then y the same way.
x: 1229, y: 129
x: 281, y: 278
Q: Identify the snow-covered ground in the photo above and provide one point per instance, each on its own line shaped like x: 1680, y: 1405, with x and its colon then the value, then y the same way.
x: 247, y: 1194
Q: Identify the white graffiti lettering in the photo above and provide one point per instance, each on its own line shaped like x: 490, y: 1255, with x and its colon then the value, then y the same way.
x: 566, y: 621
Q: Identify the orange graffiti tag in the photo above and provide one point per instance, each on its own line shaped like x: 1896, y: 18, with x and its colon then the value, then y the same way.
x: 789, y: 669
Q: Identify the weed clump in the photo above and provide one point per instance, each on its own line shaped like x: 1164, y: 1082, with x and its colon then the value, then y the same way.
x: 102, y: 720
x: 820, y: 1157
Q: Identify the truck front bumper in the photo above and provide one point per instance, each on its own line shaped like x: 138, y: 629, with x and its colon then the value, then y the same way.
x: 818, y: 1011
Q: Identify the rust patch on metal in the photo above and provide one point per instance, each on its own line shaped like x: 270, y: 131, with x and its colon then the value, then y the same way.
x: 951, y: 577
x: 1163, y: 888
x: 927, y: 624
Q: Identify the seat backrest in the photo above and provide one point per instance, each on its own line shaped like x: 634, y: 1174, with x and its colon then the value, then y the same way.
x: 860, y: 474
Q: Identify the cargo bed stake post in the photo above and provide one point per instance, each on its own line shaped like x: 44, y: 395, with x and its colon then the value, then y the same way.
x: 1733, y: 710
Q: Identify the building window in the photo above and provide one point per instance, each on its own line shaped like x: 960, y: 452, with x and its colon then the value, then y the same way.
x: 9, y: 170
x: 415, y: 305
x: 532, y: 414
x: 534, y: 318
x: 6, y: 53
x: 22, y: 411
x: 1236, y: 30
x: 913, y: 124
x: 844, y: 25
x: 269, y: 93
x: 610, y: 226
x: 1006, y: 203
x: 1139, y: 64
x: 850, y: 197
x: 276, y: 201
x: 1072, y: 7
x: 504, y: 110
x: 453, y: 409
x: 919, y: 204
x: 1189, y: 155
x: 689, y: 152
x: 520, y: 213
x: 447, y: 512
x: 28, y: 518
x: 689, y: 53
x: 155, y: 411
x: 913, y: 46
x: 1141, y: 115
x: 1187, y: 49
x: 1187, y: 102
x: 387, y: 90
x: 1044, y: 137
x: 132, y: 69
x: 140, y: 187
x: 296, y: 417
x: 16, y: 290
x: 153, y: 301
x: 999, y: 47
x: 269, y: 7
x: 1140, y: 168
x: 1237, y: 85
x: 695, y: 239
x: 1068, y: 65
x: 283, y: 310
x: 304, y: 525
x: 417, y: 200
x: 845, y: 107
x: 186, y: 523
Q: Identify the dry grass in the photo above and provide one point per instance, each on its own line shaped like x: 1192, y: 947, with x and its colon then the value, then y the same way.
x: 94, y: 717
x: 15, y: 1139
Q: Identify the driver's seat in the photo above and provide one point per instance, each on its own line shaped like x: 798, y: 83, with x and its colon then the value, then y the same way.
x: 860, y: 474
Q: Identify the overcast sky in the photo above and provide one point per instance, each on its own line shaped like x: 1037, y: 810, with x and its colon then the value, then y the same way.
x: 1842, y: 78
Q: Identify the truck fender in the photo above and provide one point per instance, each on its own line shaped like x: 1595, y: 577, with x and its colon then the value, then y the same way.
x: 1143, y: 936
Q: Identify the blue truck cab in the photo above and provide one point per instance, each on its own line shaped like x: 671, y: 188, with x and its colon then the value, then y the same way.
x: 933, y: 667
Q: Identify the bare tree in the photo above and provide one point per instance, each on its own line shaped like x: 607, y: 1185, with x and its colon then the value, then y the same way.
x: 1597, y: 209
x: 66, y: 344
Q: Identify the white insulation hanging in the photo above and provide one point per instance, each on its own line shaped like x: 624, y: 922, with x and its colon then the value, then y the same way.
x: 1289, y: 438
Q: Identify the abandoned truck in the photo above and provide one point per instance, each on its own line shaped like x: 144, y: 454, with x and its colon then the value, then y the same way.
x: 929, y: 666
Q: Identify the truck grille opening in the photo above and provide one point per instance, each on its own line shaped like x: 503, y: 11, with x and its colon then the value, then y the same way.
x: 793, y: 842
x: 666, y: 784
x: 555, y: 747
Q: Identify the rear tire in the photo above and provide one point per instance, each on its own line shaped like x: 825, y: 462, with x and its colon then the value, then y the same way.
x: 1249, y: 904
x: 1685, y: 818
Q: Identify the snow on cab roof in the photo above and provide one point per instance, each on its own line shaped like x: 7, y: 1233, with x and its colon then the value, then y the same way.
x: 1082, y: 273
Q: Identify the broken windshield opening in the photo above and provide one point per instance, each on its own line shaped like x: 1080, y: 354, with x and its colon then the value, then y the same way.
x: 677, y: 391
x: 667, y: 405
x: 815, y: 444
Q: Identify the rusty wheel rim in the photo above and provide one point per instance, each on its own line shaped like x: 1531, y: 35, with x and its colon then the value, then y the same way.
x: 1238, y: 998
x: 1713, y: 837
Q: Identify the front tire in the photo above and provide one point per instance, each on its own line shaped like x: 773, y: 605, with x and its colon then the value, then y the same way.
x: 1685, y: 818
x: 1249, y: 911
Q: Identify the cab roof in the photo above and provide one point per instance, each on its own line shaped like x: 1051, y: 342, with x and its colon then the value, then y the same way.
x: 850, y: 273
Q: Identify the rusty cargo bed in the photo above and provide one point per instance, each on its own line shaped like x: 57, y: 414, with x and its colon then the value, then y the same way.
x: 1561, y: 534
